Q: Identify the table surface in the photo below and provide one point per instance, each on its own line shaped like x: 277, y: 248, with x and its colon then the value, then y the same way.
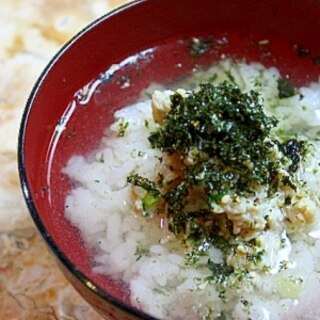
x: 31, y: 32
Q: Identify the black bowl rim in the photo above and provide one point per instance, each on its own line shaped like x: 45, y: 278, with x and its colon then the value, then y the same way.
x: 26, y: 191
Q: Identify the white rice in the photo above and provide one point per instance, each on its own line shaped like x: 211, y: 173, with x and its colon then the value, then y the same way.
x: 132, y: 249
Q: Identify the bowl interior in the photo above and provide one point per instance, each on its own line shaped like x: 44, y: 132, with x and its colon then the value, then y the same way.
x: 68, y: 112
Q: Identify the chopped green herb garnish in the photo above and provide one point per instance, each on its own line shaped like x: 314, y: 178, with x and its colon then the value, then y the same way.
x: 213, y: 78
x: 215, y: 197
x: 122, y: 126
x: 141, y: 153
x: 286, y: 89
x: 230, y: 76
x: 100, y: 157
x: 144, y: 183
x: 293, y: 150
x: 149, y: 200
x: 142, y: 252
x: 220, y: 272
x: 245, y: 302
x: 287, y: 202
x: 256, y: 258
x: 222, y: 316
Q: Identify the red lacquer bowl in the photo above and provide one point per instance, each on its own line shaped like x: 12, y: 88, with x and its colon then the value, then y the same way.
x: 60, y: 119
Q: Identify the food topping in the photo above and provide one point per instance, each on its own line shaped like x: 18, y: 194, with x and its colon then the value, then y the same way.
x: 218, y: 147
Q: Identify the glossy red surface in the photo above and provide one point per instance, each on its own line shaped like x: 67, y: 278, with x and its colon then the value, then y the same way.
x: 167, y: 26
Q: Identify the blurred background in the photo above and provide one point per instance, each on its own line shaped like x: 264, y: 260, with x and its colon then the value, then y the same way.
x: 31, y: 32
